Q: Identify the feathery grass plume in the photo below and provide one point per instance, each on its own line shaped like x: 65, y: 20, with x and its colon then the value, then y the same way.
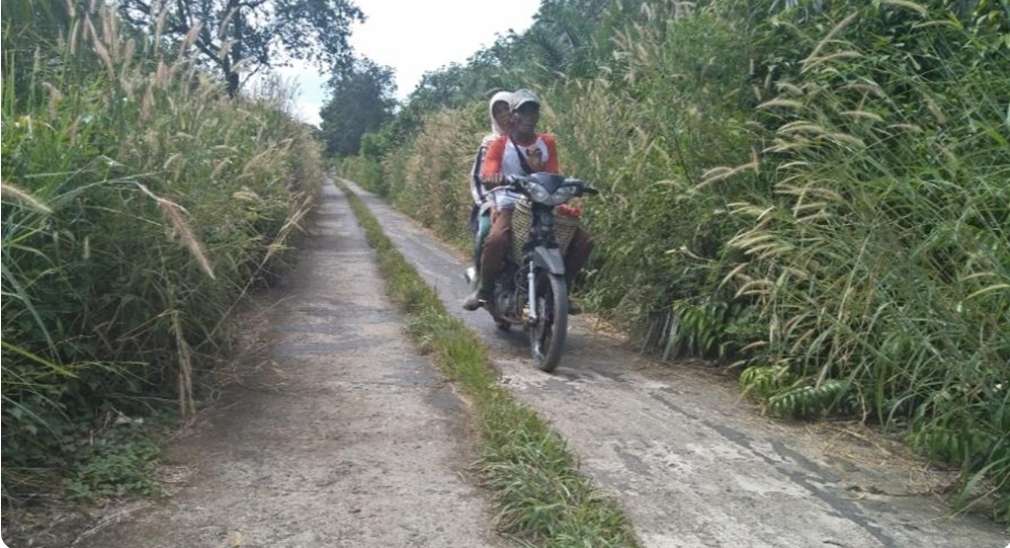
x: 54, y: 98
x: 147, y: 102
x: 847, y: 54
x: 127, y: 59
x: 161, y: 76
x: 983, y: 291
x: 934, y: 109
x: 782, y: 145
x: 790, y: 88
x: 187, y: 405
x: 754, y: 288
x: 733, y: 274
x: 845, y: 138
x: 717, y: 174
x: 159, y: 25
x: 828, y: 37
x: 173, y: 213
x: 222, y: 27
x: 14, y: 195
x: 862, y: 114
x: 871, y: 88
x: 100, y: 49
x: 189, y: 39
x: 921, y: 10
x: 801, y: 126
x: 219, y: 166
x: 109, y: 32
x: 173, y: 158
x: 75, y: 29
x: 225, y: 49
x: 792, y: 164
x: 780, y: 102
x: 907, y: 127
x: 245, y: 195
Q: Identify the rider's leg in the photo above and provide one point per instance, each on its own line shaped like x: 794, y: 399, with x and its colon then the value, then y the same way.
x: 577, y: 255
x: 492, y: 257
x: 496, y: 246
x: 575, y: 258
x: 483, y: 228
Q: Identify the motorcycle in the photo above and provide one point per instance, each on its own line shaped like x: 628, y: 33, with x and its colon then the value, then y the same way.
x: 531, y: 290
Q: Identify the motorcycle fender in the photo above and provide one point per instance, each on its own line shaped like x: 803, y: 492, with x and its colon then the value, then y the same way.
x: 549, y: 259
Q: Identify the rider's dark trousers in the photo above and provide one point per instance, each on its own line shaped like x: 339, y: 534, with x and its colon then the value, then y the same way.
x: 496, y: 247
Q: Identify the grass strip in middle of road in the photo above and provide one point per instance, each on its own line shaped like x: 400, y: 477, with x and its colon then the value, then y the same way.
x: 541, y: 496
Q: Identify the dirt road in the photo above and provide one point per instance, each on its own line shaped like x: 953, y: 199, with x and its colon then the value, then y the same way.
x: 345, y: 437
x: 690, y: 462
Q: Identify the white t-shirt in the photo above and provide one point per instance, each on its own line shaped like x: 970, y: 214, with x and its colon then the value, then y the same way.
x: 503, y: 157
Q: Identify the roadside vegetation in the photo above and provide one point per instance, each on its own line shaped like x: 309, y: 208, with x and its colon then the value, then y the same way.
x: 813, y: 194
x: 541, y: 497
x: 140, y: 204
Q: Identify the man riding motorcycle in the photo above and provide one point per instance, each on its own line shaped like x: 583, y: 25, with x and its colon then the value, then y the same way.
x: 522, y: 151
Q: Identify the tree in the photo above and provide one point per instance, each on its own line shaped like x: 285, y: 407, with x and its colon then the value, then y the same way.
x: 361, y: 100
x: 261, y: 33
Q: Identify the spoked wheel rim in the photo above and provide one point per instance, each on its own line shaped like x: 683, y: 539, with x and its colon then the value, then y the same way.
x: 542, y: 331
x: 547, y: 335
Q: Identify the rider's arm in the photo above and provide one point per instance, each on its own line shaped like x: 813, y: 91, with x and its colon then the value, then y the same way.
x: 490, y: 170
x: 476, y: 189
x: 552, y: 154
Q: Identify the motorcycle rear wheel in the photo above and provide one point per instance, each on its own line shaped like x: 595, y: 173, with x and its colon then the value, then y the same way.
x: 547, y: 336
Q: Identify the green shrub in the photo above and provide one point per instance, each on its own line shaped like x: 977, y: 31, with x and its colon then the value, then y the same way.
x: 121, y: 462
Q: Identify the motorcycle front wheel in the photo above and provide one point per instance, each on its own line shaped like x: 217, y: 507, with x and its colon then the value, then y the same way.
x: 547, y: 335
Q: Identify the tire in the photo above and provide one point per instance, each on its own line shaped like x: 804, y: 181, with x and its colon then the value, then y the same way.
x: 547, y: 337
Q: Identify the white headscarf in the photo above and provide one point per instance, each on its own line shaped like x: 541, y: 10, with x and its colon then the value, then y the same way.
x: 501, y: 96
x: 476, y: 188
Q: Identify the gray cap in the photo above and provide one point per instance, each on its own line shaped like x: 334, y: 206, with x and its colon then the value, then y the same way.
x: 521, y: 97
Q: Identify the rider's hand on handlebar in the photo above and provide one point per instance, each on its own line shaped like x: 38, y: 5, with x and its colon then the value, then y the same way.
x: 535, y: 159
x: 494, y: 180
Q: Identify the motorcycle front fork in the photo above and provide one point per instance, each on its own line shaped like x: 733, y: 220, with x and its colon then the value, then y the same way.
x: 532, y: 292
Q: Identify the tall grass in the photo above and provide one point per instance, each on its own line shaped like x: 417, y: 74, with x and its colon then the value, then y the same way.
x: 815, y: 195
x: 880, y: 258
x: 139, y: 204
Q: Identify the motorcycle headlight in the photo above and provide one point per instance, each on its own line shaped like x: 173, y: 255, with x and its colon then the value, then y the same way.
x: 562, y: 195
x: 538, y: 193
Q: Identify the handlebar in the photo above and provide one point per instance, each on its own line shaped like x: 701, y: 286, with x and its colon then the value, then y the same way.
x: 515, y: 183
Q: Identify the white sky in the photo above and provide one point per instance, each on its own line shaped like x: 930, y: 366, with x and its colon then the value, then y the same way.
x: 413, y: 37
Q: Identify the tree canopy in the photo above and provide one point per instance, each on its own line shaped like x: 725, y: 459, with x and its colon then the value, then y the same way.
x: 259, y: 33
x: 361, y: 100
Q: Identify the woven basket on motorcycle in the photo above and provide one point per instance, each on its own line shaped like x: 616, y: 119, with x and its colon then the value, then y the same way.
x: 564, y: 229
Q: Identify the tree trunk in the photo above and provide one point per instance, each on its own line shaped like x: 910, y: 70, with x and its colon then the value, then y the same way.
x: 233, y: 82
